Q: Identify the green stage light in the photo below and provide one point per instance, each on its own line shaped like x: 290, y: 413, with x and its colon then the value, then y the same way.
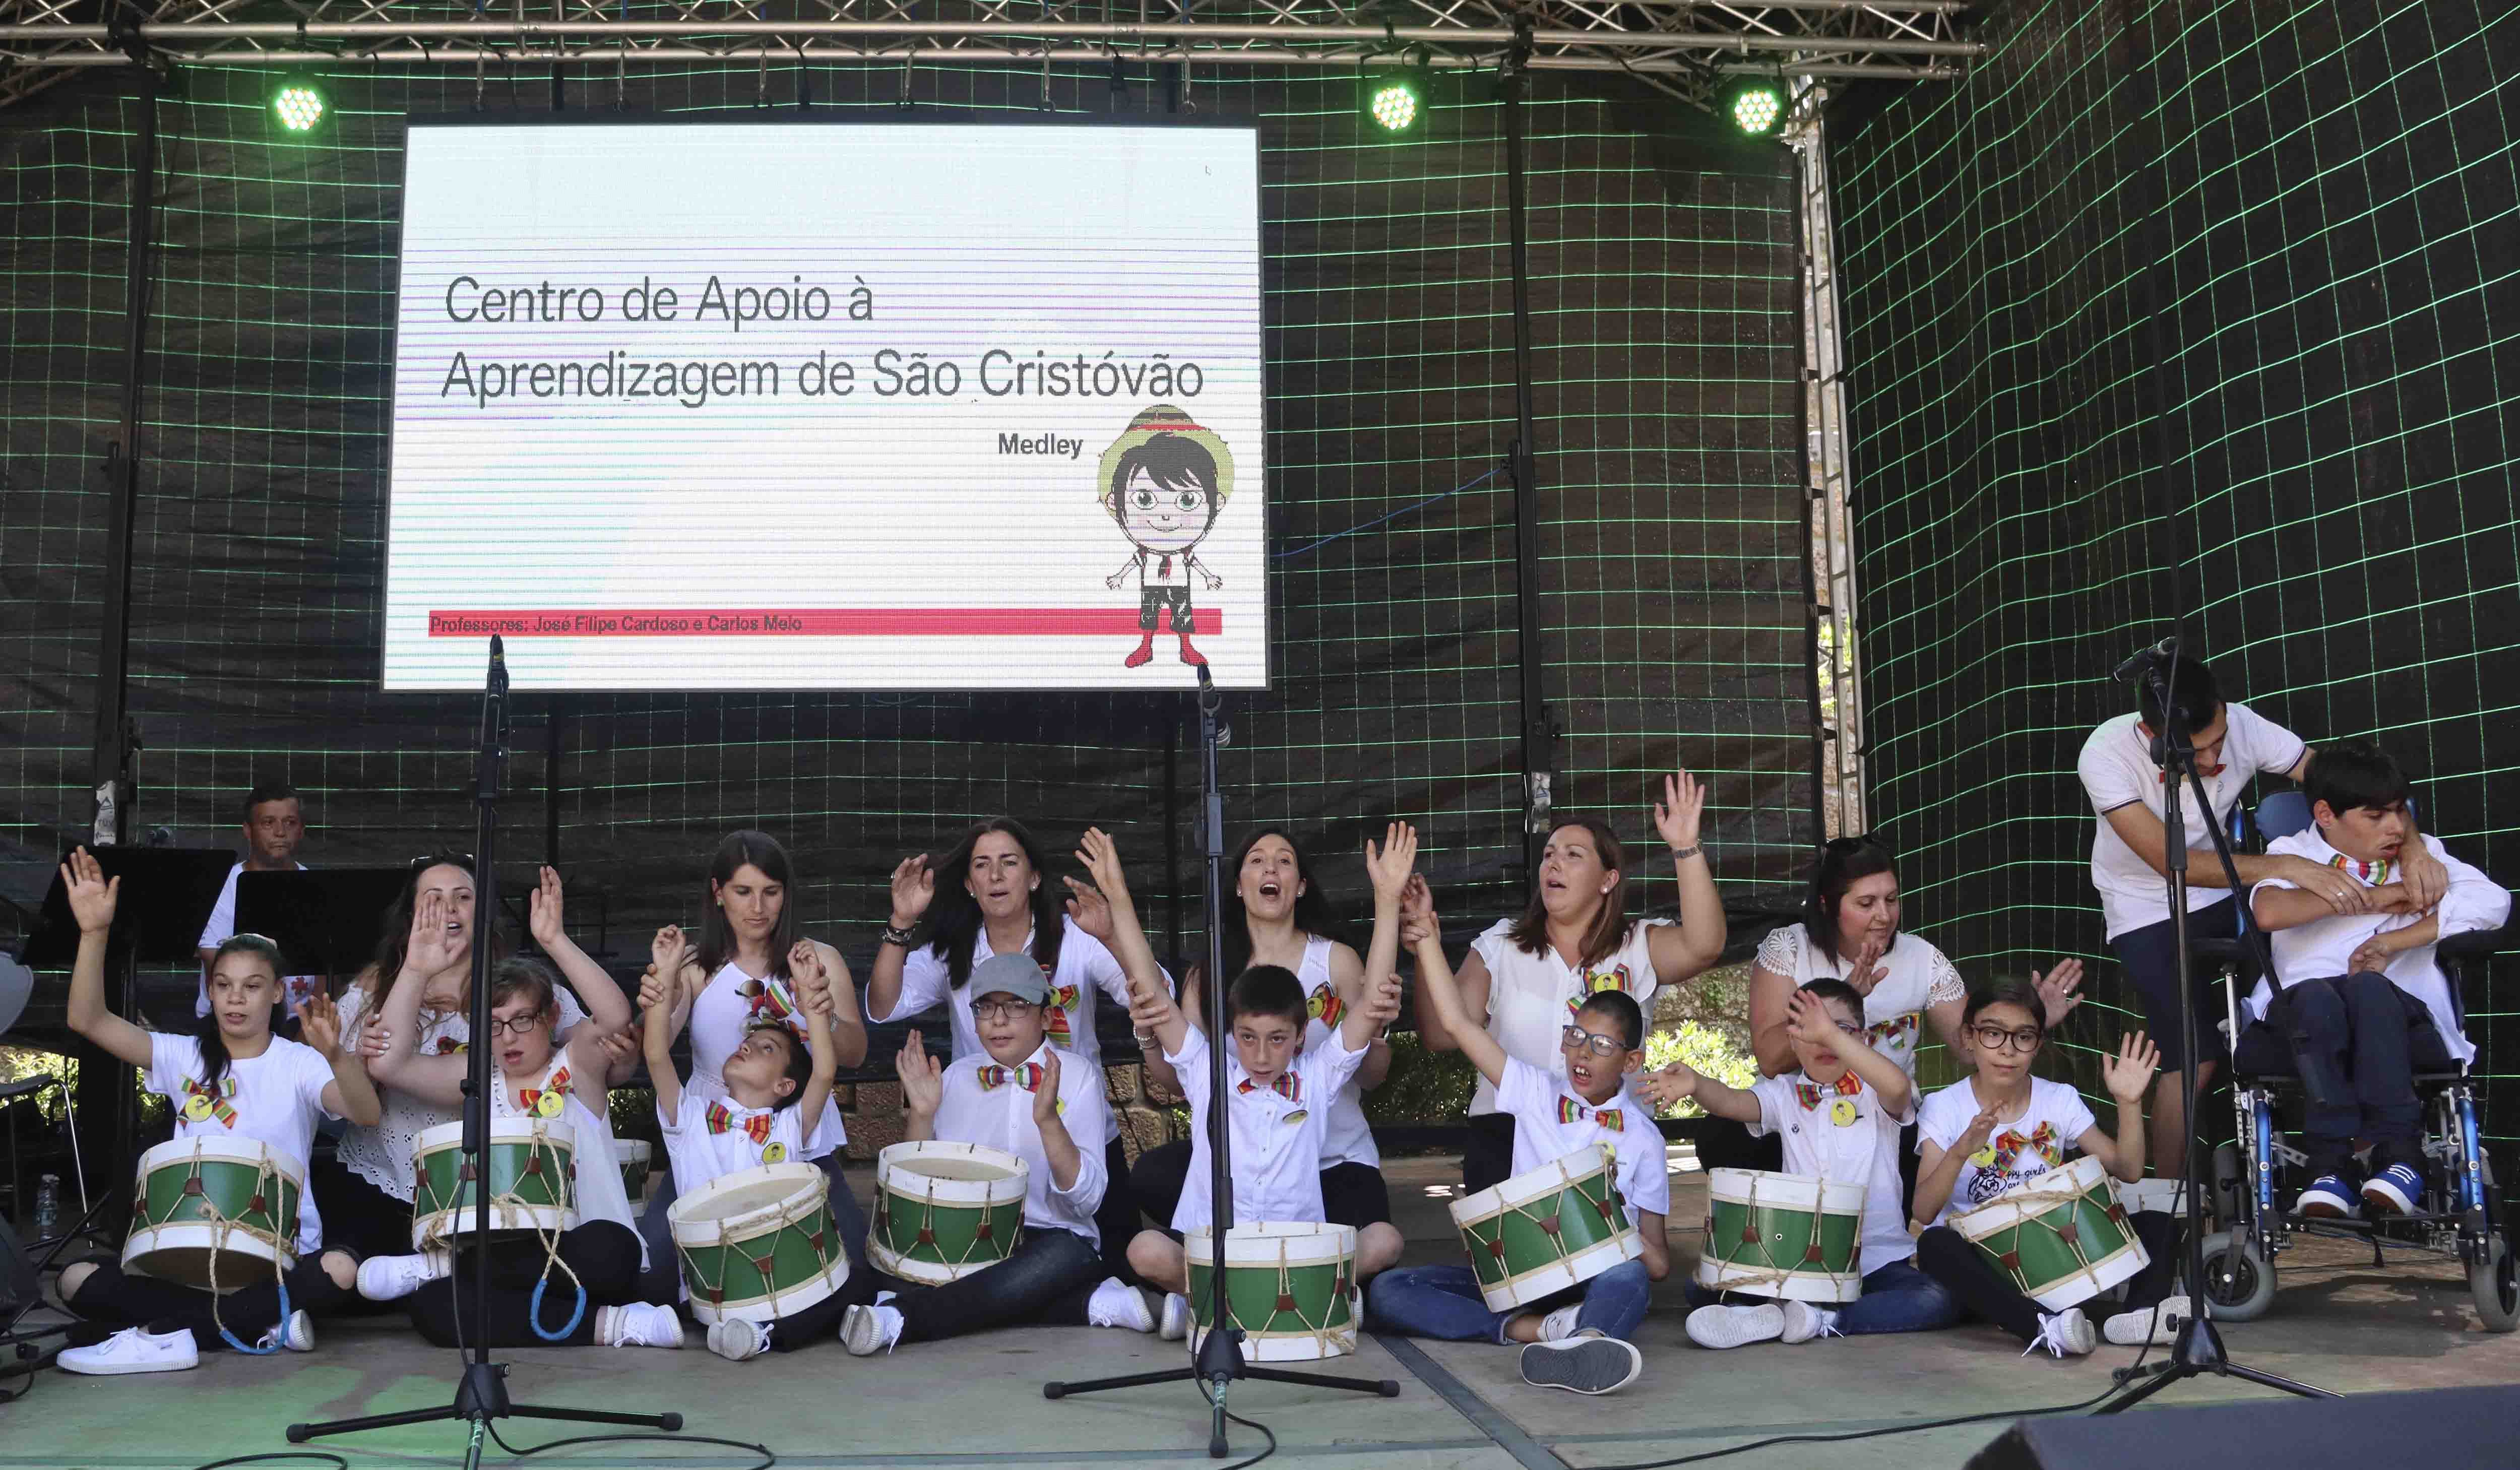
x: 1755, y: 104
x: 1395, y: 100
x: 298, y: 106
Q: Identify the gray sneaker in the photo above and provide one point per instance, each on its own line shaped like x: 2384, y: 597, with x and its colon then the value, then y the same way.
x: 1587, y: 1365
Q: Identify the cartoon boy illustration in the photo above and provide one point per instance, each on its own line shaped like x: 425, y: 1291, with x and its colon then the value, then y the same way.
x: 1164, y: 481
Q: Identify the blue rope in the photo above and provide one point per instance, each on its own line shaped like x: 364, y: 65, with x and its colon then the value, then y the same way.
x: 277, y: 1334
x: 534, y: 1312
x: 1315, y: 545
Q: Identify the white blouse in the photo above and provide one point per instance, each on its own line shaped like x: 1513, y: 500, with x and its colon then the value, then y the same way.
x: 381, y: 1155
x: 1532, y: 998
x: 723, y: 1011
x: 1894, y: 1014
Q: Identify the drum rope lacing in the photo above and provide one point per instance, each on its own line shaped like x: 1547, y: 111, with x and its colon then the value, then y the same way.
x: 1610, y: 1208
x: 267, y: 1178
x: 2086, y: 1266
x: 1768, y: 1275
x: 1327, y: 1341
x: 793, y: 1213
x: 888, y: 1190
x: 546, y: 1158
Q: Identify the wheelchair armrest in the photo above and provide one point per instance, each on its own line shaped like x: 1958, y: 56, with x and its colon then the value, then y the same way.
x: 2478, y: 944
x: 2216, y: 949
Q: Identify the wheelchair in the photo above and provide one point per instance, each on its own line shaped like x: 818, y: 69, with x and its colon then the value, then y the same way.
x: 2463, y: 1212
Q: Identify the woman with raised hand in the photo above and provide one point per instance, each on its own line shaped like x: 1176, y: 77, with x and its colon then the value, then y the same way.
x: 1527, y: 976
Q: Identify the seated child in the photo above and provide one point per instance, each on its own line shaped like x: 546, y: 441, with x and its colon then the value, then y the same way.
x: 774, y: 1082
x: 1022, y: 1094
x: 2001, y: 1128
x: 2363, y: 1004
x: 586, y: 1293
x: 1278, y: 1094
x: 230, y: 1079
x: 1577, y: 1339
x: 1839, y: 1115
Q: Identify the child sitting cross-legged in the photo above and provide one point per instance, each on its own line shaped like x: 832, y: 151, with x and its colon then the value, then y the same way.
x: 1839, y: 1115
x: 1578, y: 1339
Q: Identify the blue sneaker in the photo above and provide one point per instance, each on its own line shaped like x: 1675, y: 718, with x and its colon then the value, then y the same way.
x: 2393, y: 1190
x: 2327, y: 1198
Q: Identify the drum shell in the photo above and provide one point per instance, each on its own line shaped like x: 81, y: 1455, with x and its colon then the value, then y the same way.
x: 1547, y: 1229
x: 174, y: 1231
x: 937, y: 1226
x: 533, y: 1158
x: 759, y: 1243
x: 1791, y: 1237
x: 2062, y: 1238
x: 637, y: 1156
x: 1290, y: 1286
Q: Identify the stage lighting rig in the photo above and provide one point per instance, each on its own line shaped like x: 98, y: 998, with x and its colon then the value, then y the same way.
x: 1395, y: 98
x: 1756, y: 102
x: 299, y: 108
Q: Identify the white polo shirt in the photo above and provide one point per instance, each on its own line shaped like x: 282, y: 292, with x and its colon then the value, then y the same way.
x: 1277, y: 1129
x: 1847, y: 1137
x: 1532, y: 998
x: 275, y: 1099
x: 2117, y: 770
x: 1551, y: 1122
x: 991, y: 1105
x: 711, y: 1138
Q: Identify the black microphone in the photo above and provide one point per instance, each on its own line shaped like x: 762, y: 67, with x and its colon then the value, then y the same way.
x: 2167, y: 647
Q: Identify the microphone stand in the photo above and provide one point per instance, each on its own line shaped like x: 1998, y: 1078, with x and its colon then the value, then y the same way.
x: 1219, y: 1360
x: 481, y: 1395
x: 2197, y: 1347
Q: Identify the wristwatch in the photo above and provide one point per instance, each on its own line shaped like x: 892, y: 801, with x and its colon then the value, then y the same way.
x: 900, y: 937
x: 1683, y: 854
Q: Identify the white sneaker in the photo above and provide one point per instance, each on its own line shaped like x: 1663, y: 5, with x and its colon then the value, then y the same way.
x: 638, y: 1326
x: 1559, y: 1326
x: 2064, y: 1334
x: 1805, y: 1321
x: 134, y: 1350
x: 390, y: 1279
x: 1587, y: 1365
x: 736, y: 1339
x: 1116, y: 1303
x: 1735, y: 1326
x: 868, y: 1330
x: 1176, y: 1323
x: 2129, y: 1329
x: 297, y: 1334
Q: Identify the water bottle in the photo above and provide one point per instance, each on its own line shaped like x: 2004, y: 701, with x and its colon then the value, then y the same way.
x: 48, y: 1206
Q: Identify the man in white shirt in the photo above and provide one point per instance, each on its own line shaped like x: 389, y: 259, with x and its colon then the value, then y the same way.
x: 2234, y: 745
x: 275, y: 824
x: 2362, y: 1004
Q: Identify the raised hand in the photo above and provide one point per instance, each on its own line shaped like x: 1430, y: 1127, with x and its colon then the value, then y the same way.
x: 1382, y: 1002
x: 619, y: 1047
x: 1100, y: 857
x: 1676, y: 1083
x: 654, y: 991
x: 1677, y: 816
x: 1148, y: 1007
x: 2129, y: 1073
x: 1091, y: 909
x: 923, y: 1082
x: 2058, y: 990
x: 542, y: 911
x: 1391, y: 865
x: 93, y: 897
x: 1808, y: 1021
x: 667, y: 953
x: 1981, y: 1128
x: 1868, y: 970
x: 319, y: 1025
x: 805, y: 970
x: 914, y: 888
x: 374, y: 1040
x: 1045, y: 1098
x: 428, y: 949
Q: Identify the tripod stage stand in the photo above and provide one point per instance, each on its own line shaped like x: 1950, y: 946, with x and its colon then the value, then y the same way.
x: 1219, y: 1360
x: 2198, y: 1347
x: 481, y: 1395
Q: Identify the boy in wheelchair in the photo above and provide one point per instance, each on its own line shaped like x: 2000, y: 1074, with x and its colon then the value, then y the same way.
x: 2361, y: 1006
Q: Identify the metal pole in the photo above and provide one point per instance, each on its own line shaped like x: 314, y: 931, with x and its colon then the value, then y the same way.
x: 112, y: 768
x: 1537, y: 729
x: 553, y: 735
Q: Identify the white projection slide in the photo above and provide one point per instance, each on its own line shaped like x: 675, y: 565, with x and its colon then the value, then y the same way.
x: 828, y: 406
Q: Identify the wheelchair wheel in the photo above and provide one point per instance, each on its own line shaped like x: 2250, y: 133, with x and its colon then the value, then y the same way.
x: 2495, y: 1283
x: 2240, y: 1283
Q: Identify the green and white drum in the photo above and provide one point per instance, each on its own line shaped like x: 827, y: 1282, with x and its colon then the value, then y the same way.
x: 759, y: 1244
x: 1791, y: 1237
x: 635, y: 1156
x: 1291, y: 1288
x: 215, y: 1212
x: 533, y: 1181
x: 1554, y: 1226
x: 2063, y: 1238
x: 943, y: 1211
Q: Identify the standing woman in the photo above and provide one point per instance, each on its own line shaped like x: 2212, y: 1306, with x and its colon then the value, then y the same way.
x: 1525, y: 978
x: 996, y: 901
x: 1277, y: 915
x: 742, y: 973
x: 365, y: 1191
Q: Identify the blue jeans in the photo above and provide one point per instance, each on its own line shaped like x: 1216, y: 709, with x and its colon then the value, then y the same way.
x: 1443, y: 1302
x: 1897, y: 1298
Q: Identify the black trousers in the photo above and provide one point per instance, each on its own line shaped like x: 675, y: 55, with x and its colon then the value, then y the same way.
x: 1487, y: 1158
x: 604, y: 1254
x: 1987, y: 1294
x: 1047, y: 1281
x: 358, y: 1216
x: 1116, y: 1220
x: 1352, y: 1194
x: 111, y: 1297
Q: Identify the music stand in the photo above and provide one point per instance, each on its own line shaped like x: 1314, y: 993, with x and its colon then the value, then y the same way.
x: 326, y: 923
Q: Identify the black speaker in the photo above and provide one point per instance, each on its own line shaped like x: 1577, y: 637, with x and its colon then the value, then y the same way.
x: 2439, y: 1429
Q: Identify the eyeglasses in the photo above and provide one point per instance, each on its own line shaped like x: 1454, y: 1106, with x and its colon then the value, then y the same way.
x: 515, y: 1025
x: 1003, y: 1010
x: 1996, y: 1039
x: 426, y: 861
x: 1577, y: 1039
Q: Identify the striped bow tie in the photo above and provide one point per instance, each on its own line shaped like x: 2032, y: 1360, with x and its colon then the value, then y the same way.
x: 200, y: 1101
x: 2374, y: 872
x: 722, y: 1119
x: 1025, y: 1075
x: 1288, y: 1086
x: 1812, y: 1095
x: 555, y: 1086
x: 1607, y: 1119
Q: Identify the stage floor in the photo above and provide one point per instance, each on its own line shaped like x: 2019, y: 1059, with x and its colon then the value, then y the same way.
x: 2337, y: 1322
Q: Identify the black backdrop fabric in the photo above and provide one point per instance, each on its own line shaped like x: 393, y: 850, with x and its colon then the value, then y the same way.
x: 2196, y: 315
x: 1673, y: 555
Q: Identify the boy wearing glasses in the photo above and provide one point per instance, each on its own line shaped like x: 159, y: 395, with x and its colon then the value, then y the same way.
x: 1022, y: 1094
x: 1577, y: 1340
x: 1839, y: 1114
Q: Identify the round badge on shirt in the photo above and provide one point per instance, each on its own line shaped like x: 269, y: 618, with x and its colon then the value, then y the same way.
x: 549, y: 1105
x: 197, y: 1108
x: 1842, y: 1112
x: 774, y: 1153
